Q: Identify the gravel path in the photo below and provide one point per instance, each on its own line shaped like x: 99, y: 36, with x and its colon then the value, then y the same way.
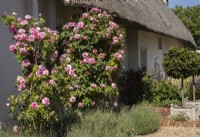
x: 176, y: 132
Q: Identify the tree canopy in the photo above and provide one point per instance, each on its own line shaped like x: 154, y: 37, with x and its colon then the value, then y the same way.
x: 181, y: 63
x: 190, y: 16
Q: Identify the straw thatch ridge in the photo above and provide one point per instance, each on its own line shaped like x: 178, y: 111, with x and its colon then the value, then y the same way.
x: 151, y: 14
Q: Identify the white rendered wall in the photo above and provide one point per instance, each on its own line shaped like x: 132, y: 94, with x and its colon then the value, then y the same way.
x: 149, y: 41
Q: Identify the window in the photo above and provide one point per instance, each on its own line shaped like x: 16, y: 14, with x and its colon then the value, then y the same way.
x: 143, y: 58
x: 159, y: 43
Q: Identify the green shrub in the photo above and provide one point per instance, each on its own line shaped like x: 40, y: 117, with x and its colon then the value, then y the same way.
x: 97, y: 124
x: 165, y: 93
x: 143, y: 120
x: 138, y: 120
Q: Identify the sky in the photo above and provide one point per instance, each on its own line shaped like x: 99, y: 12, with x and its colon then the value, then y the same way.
x: 184, y: 3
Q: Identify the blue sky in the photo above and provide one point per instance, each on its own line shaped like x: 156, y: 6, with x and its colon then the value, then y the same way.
x: 184, y: 3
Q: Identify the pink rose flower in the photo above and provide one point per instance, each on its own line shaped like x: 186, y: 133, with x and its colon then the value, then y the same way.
x: 53, y: 39
x: 73, y: 99
x: 96, y: 10
x: 26, y: 63
x: 94, y: 85
x: 71, y: 24
x: 80, y: 105
x: 92, y: 18
x: 45, y: 101
x: 68, y: 51
x: 30, y: 75
x: 101, y: 55
x: 108, y: 36
x: 27, y: 17
x: 113, y: 85
x: 31, y: 38
x: 23, y: 22
x: 113, y: 25
x: 80, y: 25
x: 75, y: 30
x: 71, y: 38
x: 45, y: 72
x: 66, y: 27
x: 52, y: 82
x: 114, y: 67
x: 94, y: 51
x: 85, y: 15
x: 68, y: 68
x: 85, y: 55
x: 92, y: 61
x: 34, y: 105
x: 23, y: 36
x: 53, y: 70
x: 88, y: 72
x: 22, y: 51
x: 68, y: 60
x: 42, y: 36
x: 107, y: 68
x: 12, y: 28
x: 102, y: 85
x: 115, y: 40
x: 84, y: 37
x: 118, y: 56
x: 77, y: 36
x: 15, y: 129
x: 12, y: 48
x: 55, y: 54
x: 17, y: 37
x: 21, y: 31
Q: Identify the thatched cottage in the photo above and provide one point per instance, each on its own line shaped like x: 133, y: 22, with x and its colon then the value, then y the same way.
x: 152, y: 28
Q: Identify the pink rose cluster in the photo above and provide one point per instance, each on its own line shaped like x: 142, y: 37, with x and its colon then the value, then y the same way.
x: 70, y: 71
x: 118, y: 56
x: 86, y: 58
x: 42, y: 71
x: 45, y: 102
x: 21, y: 83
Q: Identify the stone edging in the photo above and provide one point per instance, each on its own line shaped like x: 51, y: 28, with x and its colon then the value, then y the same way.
x: 170, y: 122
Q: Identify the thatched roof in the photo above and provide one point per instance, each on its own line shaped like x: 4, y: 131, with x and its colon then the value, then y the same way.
x: 154, y: 15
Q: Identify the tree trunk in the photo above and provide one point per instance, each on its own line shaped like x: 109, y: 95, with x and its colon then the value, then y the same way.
x: 182, y: 93
x: 193, y: 88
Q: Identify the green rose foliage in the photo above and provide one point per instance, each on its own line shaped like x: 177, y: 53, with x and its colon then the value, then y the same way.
x: 64, y: 72
x: 181, y: 63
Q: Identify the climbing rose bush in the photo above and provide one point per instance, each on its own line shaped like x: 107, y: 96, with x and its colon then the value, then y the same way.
x: 66, y: 71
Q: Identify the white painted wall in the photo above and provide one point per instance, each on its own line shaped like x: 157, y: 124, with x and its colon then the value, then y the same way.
x: 149, y: 41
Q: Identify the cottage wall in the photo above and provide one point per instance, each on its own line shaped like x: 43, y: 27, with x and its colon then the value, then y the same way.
x: 149, y: 41
x: 9, y: 68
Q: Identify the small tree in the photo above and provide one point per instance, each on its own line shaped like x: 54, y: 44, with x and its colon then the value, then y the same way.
x: 181, y: 63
